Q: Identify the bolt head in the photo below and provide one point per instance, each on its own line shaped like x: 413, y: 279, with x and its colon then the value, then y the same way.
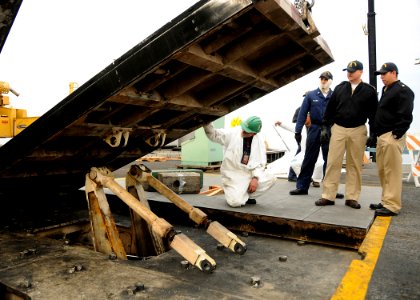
x: 139, y: 286
x: 78, y: 267
x: 131, y: 290
x: 185, y: 264
x: 283, y: 258
x: 255, y: 280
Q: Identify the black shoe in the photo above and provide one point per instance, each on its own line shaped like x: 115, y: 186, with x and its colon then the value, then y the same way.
x: 323, y: 202
x: 339, y: 196
x: 251, y: 201
x: 298, y: 192
x: 375, y: 206
x: 353, y: 204
x: 316, y: 184
x: 384, y: 212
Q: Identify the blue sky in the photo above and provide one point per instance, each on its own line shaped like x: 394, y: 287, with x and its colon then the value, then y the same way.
x: 53, y: 43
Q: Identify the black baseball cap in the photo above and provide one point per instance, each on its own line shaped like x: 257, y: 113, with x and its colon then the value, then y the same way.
x: 353, y: 66
x: 387, y: 67
x: 326, y: 74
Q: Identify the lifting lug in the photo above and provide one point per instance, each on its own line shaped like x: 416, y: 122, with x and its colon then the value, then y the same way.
x: 158, y: 139
x: 114, y: 138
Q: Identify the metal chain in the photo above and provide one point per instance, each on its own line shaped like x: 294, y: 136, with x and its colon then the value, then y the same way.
x: 300, y: 4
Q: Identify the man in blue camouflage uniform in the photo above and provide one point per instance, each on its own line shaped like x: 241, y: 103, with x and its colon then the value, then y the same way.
x: 314, y: 103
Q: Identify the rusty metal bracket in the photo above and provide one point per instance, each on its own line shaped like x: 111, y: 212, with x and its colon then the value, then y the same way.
x: 304, y: 8
x: 118, y: 133
x: 158, y: 139
x: 307, y: 19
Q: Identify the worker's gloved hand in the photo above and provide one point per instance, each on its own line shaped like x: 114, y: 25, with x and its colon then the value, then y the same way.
x: 371, y: 141
x: 325, y: 135
x: 298, y: 137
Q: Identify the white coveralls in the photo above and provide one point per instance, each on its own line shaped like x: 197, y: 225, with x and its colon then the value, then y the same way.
x: 235, y: 175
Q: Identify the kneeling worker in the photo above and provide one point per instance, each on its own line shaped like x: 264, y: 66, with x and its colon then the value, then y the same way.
x: 243, y: 168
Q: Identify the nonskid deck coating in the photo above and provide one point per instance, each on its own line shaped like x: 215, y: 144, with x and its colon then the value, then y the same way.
x: 279, y: 214
x: 278, y: 203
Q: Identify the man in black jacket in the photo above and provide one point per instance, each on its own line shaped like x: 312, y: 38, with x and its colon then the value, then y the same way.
x: 393, y: 118
x: 351, y: 104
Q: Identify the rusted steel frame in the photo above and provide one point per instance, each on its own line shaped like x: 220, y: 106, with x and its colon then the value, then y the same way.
x: 319, y: 233
x: 130, y: 68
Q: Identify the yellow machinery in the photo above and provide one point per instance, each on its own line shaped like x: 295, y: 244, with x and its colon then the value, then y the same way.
x: 12, y: 120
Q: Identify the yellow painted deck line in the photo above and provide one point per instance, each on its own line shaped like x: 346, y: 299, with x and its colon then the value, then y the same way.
x: 355, y: 282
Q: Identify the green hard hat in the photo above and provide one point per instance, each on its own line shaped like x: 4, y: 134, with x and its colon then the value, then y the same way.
x: 252, y: 125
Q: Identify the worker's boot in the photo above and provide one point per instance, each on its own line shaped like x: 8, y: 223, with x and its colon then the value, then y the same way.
x: 251, y: 201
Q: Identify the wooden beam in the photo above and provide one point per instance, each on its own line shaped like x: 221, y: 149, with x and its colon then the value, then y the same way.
x: 179, y: 242
x: 193, y: 253
x: 215, y: 229
x: 145, y: 242
x: 104, y: 231
x: 194, y: 214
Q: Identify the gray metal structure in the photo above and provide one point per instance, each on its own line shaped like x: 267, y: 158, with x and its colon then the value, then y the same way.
x: 215, y: 57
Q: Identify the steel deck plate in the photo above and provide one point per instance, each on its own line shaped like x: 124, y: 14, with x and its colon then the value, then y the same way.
x: 281, y: 215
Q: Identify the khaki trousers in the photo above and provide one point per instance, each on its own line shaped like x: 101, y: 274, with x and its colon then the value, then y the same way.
x: 389, y: 164
x: 353, y: 142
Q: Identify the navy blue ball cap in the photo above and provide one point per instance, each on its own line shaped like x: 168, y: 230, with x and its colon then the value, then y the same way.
x: 353, y: 66
x: 326, y: 74
x: 387, y: 67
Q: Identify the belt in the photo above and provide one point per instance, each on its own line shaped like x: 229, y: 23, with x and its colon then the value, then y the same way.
x: 381, y: 133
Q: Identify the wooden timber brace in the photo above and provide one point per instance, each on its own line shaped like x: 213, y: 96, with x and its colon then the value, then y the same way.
x: 104, y: 231
x: 214, y: 228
